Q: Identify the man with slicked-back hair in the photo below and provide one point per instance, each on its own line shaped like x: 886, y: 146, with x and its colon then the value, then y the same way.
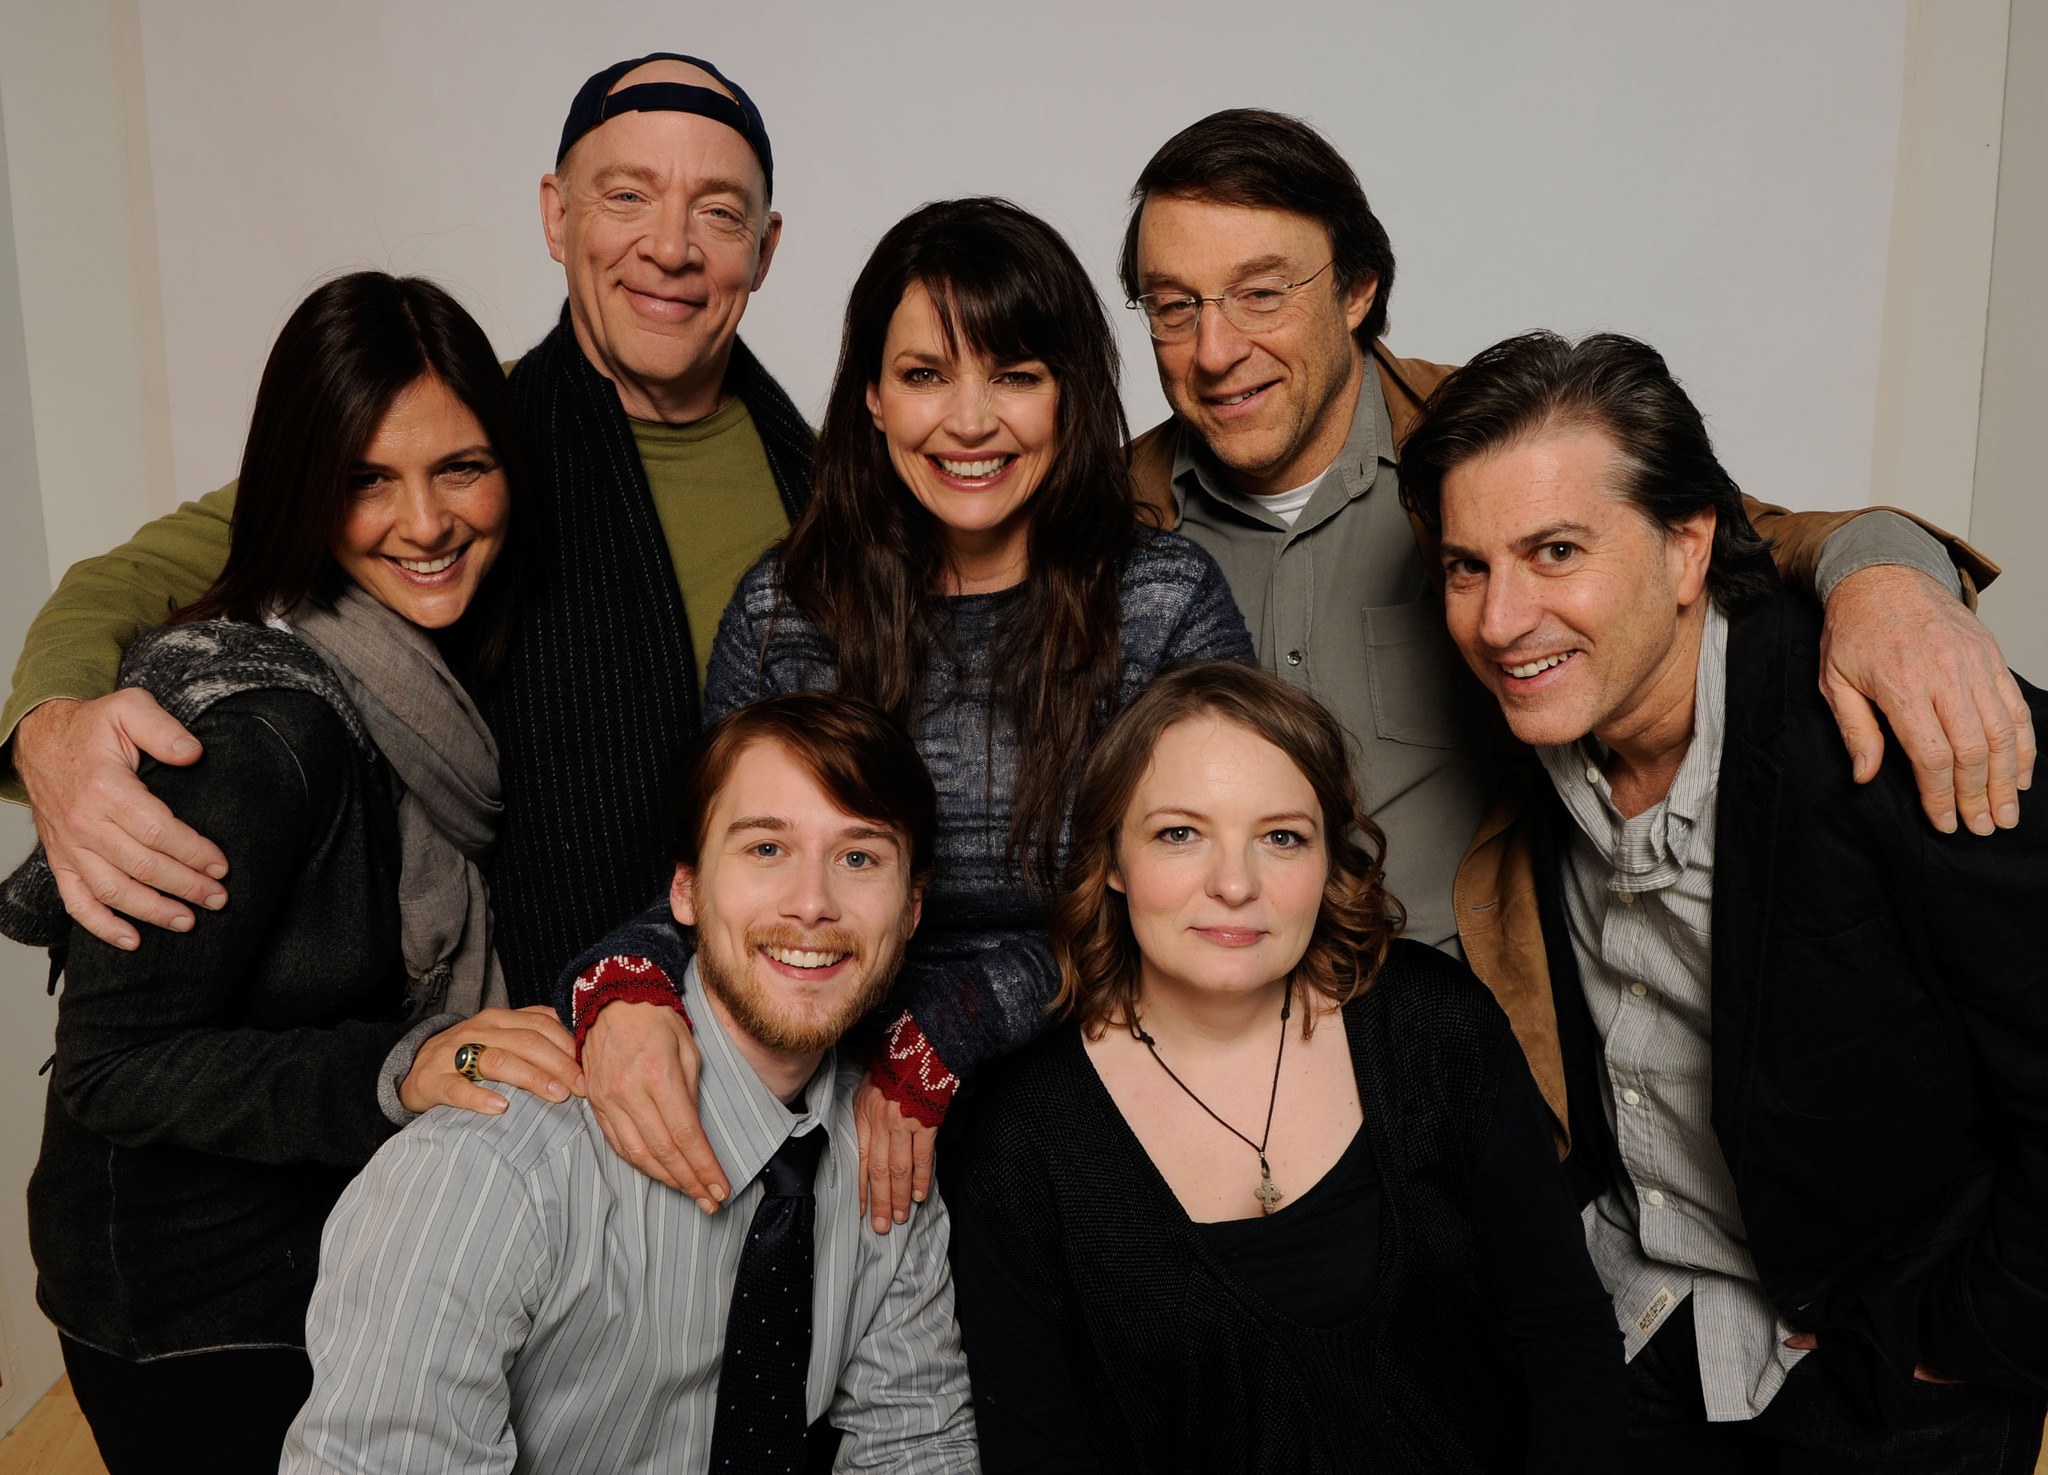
x: 1803, y: 1034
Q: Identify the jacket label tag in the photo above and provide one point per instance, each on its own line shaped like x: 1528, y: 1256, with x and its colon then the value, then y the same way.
x: 1654, y: 1312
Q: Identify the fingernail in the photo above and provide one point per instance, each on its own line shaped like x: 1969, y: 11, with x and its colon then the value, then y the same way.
x: 216, y: 901
x: 1947, y: 823
x: 881, y: 1225
x: 183, y: 746
x: 128, y: 942
x: 2008, y: 816
x: 718, y: 1192
x: 498, y: 1104
x: 217, y: 871
x: 902, y: 1216
x: 558, y: 1091
x: 707, y: 1206
x: 181, y: 924
x: 582, y: 1086
x: 1981, y: 825
x: 916, y: 1196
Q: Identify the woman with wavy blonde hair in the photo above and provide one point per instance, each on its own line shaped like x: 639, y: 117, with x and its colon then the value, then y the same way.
x: 1280, y: 1194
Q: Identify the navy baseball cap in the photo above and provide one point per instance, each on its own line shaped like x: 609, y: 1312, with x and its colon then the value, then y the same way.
x: 596, y: 102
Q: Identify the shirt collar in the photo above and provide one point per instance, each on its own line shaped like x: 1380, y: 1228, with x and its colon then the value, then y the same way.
x: 1648, y: 852
x: 1351, y: 475
x: 743, y: 1120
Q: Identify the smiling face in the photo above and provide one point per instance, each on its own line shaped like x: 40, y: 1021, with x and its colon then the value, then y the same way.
x: 972, y: 438
x: 1274, y: 406
x: 662, y: 223
x: 801, y: 910
x: 1567, y: 600
x: 429, y: 508
x: 1222, y: 860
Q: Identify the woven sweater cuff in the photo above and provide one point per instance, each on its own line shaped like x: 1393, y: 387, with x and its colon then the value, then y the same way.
x: 621, y: 979
x: 909, y: 1072
x: 399, y: 1062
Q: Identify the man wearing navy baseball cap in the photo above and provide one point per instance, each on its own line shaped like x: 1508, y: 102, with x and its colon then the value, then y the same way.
x: 665, y: 459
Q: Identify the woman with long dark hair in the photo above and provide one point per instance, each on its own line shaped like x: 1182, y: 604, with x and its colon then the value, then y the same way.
x: 972, y: 562
x: 215, y: 1090
x: 1279, y: 1194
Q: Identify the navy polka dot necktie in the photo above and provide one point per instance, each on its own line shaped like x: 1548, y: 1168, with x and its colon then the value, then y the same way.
x: 760, y: 1428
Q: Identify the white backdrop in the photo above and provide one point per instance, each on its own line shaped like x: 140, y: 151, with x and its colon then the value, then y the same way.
x: 1714, y: 177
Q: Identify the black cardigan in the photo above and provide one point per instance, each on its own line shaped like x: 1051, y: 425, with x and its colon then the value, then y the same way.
x: 1880, y: 1020
x: 1178, y: 1366
x: 214, y: 1091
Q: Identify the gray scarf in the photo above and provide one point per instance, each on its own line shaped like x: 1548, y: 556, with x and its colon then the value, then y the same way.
x: 445, y: 765
x: 388, y: 684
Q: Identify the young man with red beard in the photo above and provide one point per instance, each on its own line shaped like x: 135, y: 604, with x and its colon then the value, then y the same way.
x: 509, y: 1293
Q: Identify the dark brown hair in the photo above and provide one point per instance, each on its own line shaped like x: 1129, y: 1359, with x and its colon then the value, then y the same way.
x: 1523, y: 386
x: 345, y: 354
x: 1269, y: 161
x: 855, y: 752
x: 1091, y: 921
x: 866, y: 561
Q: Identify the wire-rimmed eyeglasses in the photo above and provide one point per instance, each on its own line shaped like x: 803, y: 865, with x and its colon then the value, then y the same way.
x: 1248, y: 307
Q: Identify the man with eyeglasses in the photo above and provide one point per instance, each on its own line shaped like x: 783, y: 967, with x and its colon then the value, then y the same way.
x: 1264, y: 278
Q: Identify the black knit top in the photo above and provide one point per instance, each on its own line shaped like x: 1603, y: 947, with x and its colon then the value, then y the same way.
x: 1176, y: 1362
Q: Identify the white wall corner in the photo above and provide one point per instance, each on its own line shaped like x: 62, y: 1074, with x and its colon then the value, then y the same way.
x: 77, y: 129
x: 1938, y: 277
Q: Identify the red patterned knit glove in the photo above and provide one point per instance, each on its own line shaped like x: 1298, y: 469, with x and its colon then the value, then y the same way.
x: 622, y: 978
x: 909, y: 1072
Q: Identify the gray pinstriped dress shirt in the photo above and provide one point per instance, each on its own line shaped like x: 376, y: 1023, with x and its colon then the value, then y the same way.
x: 508, y: 1294
x: 1639, y: 897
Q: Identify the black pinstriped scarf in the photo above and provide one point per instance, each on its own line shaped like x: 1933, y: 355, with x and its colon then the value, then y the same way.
x: 599, y: 703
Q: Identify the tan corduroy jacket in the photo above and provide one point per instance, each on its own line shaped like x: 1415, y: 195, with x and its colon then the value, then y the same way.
x: 1495, y: 894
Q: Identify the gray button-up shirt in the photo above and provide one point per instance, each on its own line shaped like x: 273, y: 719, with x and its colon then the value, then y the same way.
x: 507, y: 1293
x: 1639, y: 898
x: 1340, y: 604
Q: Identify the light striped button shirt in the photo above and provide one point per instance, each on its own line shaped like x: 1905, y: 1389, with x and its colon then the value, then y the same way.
x: 1639, y: 898
x: 508, y: 1294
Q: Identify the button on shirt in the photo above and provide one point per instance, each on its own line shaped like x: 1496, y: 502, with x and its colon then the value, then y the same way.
x: 1337, y: 601
x: 1639, y: 897
x: 508, y: 1294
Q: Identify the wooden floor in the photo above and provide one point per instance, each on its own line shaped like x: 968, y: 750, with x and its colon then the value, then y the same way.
x: 53, y: 1440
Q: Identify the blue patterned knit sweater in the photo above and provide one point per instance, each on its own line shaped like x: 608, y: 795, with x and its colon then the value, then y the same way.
x: 979, y: 972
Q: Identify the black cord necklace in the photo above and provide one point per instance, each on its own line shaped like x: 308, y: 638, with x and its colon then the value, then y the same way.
x: 1267, y: 1195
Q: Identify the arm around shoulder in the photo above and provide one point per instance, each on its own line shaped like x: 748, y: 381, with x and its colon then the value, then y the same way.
x: 75, y: 643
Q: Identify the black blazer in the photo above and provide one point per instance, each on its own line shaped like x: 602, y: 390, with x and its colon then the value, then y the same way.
x: 1880, y: 1018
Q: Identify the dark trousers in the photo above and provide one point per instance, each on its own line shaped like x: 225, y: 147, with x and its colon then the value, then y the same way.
x: 1811, y: 1428
x: 220, y: 1413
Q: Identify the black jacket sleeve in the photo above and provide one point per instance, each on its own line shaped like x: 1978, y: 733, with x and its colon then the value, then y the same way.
x: 1025, y: 1413
x: 1985, y: 1315
x: 146, y: 1053
x: 1552, y: 1306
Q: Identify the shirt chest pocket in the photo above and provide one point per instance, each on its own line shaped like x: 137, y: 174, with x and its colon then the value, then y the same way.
x: 1421, y: 691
